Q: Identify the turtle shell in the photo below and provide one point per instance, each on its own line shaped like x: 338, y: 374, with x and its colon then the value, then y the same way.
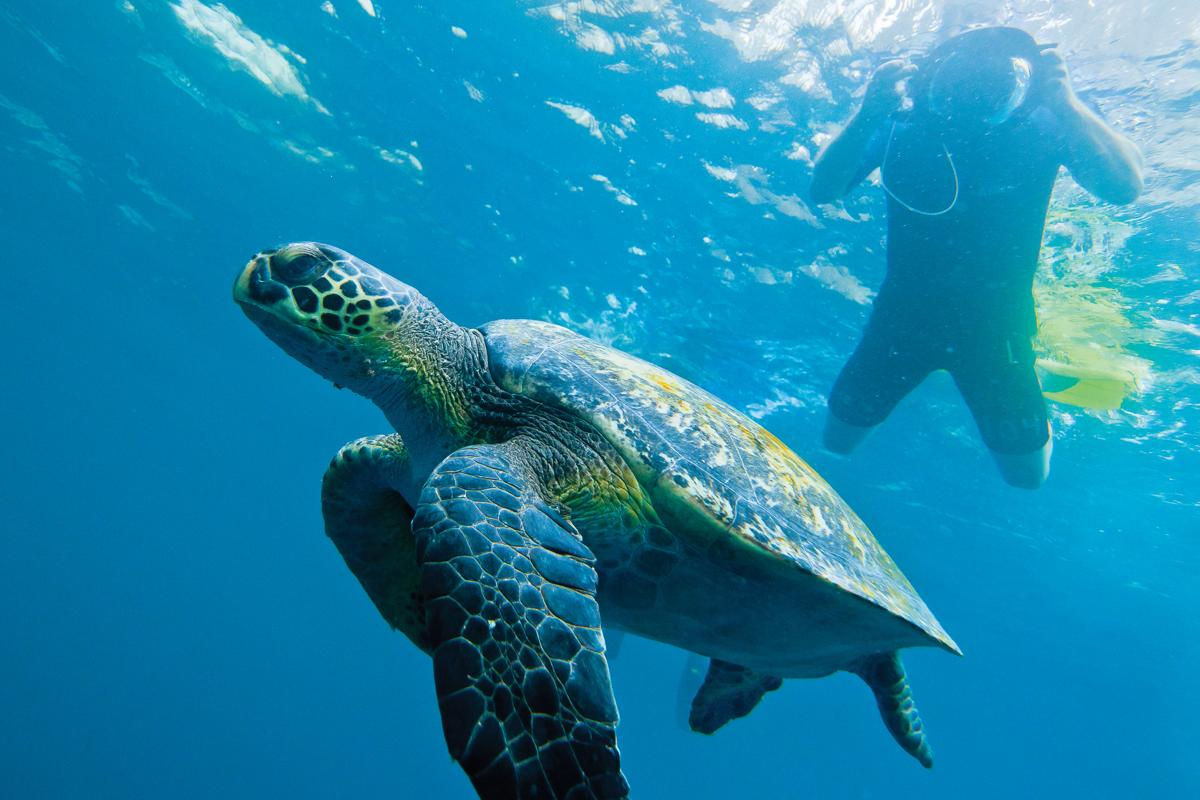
x: 694, y: 451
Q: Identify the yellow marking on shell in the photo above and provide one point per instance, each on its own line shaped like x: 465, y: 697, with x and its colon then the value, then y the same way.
x: 855, y: 543
x: 780, y: 486
x: 788, y: 492
x: 663, y: 381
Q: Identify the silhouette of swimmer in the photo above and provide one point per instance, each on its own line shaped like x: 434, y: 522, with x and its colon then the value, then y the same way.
x: 968, y: 170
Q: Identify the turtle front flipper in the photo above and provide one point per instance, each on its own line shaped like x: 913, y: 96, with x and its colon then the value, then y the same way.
x: 518, y: 653
x: 371, y: 525
x: 729, y: 692
x: 885, y: 674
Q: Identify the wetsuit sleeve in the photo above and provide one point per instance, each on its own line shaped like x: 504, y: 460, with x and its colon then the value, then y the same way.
x: 872, y: 157
x: 1048, y: 130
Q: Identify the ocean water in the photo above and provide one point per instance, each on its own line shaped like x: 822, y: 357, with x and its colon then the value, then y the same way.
x: 173, y: 622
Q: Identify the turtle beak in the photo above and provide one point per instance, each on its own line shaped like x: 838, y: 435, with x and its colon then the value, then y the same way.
x: 254, y: 286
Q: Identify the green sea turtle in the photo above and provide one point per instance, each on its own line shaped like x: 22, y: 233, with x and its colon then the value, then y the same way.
x: 539, y: 482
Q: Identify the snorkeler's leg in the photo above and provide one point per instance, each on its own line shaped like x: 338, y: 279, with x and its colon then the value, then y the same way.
x: 884, y: 368
x: 1025, y: 470
x: 1001, y: 388
x: 841, y: 437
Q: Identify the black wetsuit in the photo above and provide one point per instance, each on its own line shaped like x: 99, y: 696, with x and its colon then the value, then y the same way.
x: 958, y: 292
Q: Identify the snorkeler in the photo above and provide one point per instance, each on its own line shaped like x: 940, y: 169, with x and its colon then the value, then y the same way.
x: 968, y: 170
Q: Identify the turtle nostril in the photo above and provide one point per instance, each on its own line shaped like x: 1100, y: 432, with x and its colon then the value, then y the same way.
x: 262, y: 288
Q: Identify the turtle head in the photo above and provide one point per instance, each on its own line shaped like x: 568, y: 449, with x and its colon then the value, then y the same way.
x: 336, y: 314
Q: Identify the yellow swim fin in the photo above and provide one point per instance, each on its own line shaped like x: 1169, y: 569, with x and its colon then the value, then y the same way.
x: 1099, y: 389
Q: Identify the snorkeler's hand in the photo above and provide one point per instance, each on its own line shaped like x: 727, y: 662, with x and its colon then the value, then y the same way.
x: 1055, y: 81
x: 883, y: 97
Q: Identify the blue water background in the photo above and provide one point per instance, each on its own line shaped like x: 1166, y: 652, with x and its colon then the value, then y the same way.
x: 173, y: 623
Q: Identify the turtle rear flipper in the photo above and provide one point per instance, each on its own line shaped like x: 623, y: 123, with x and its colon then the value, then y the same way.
x: 885, y: 674
x: 729, y: 692
x: 518, y: 652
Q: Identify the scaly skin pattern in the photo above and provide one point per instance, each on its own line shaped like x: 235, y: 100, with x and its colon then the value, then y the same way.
x: 519, y: 666
x: 520, y: 441
x: 371, y: 526
x: 368, y: 332
x: 431, y: 378
x: 699, y: 452
x: 728, y: 692
x: 886, y: 676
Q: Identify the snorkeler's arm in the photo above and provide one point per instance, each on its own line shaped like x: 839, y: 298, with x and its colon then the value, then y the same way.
x: 1102, y: 161
x: 841, y: 162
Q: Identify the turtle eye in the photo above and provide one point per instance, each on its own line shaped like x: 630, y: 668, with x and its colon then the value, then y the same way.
x: 296, y: 269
